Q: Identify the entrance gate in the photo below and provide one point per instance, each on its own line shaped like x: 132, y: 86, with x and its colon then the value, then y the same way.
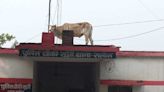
x: 66, y: 76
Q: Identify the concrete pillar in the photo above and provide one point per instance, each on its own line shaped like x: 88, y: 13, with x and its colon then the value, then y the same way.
x: 35, y: 77
x: 47, y: 39
x: 67, y: 37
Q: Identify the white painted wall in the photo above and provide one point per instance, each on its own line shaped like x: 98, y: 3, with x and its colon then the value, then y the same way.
x: 135, y: 68
x: 138, y: 68
x: 11, y: 66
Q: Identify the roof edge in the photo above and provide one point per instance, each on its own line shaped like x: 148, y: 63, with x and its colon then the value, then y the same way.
x: 140, y: 54
x: 8, y: 51
x: 132, y: 82
x: 119, y: 53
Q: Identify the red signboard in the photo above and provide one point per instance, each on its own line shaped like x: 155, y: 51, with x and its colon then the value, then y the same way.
x: 15, y: 85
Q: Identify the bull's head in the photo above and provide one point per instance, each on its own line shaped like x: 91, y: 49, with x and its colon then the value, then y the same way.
x: 52, y: 28
x: 55, y: 30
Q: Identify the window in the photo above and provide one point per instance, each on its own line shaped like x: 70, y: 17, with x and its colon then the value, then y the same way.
x: 120, y: 89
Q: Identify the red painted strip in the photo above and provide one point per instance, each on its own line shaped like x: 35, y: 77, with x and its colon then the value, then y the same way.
x: 87, y: 48
x: 130, y: 82
x: 104, y: 82
x: 15, y: 80
x: 61, y: 48
x: 140, y: 54
x: 95, y: 48
x: 9, y: 51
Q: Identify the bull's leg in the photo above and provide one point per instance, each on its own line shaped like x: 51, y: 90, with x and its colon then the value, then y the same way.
x: 86, y: 39
x: 91, y: 40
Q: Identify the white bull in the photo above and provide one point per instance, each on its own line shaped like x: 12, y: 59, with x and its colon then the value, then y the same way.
x: 79, y: 29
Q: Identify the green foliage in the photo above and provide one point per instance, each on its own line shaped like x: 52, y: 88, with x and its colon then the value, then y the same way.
x: 4, y: 37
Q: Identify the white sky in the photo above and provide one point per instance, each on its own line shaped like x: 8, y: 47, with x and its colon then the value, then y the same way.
x: 27, y: 19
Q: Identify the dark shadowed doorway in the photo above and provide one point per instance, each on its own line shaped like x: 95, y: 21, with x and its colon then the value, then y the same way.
x: 66, y: 76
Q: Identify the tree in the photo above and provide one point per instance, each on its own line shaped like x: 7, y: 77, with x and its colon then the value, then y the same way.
x: 4, y: 37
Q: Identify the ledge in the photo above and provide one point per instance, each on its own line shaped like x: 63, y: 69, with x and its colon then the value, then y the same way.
x: 131, y: 82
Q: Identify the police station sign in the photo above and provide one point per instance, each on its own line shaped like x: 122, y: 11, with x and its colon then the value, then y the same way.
x: 67, y: 54
x: 15, y: 87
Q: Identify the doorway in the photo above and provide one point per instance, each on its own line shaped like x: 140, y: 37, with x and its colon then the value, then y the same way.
x: 66, y: 76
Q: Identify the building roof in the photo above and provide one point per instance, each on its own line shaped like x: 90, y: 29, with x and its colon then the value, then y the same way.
x: 8, y: 51
x: 119, y: 54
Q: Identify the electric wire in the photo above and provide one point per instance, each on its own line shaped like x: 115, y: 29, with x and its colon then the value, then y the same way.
x: 132, y: 36
x: 53, y: 18
x: 114, y: 39
x: 58, y: 11
x: 120, y: 38
x: 148, y: 9
x: 49, y: 14
x: 61, y: 11
x: 59, y: 14
x: 128, y: 23
x: 33, y: 37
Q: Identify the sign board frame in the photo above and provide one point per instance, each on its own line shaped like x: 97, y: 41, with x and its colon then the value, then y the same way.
x: 66, y: 54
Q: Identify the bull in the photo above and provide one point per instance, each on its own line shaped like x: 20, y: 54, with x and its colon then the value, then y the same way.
x: 79, y: 29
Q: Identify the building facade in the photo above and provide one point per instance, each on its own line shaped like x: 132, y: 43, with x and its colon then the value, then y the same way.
x: 131, y: 71
x: 137, y: 71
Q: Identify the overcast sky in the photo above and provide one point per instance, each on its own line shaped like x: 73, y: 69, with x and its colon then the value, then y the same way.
x: 27, y: 19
